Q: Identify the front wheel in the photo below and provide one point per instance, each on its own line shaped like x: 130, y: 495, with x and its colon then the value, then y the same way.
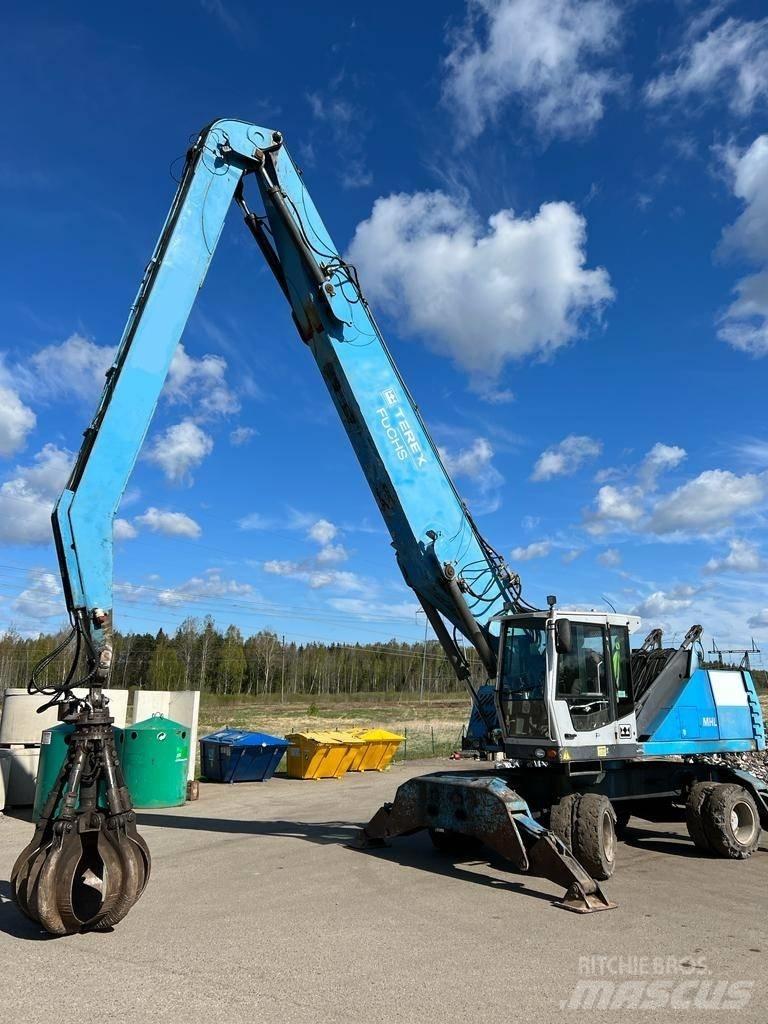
x: 594, y: 835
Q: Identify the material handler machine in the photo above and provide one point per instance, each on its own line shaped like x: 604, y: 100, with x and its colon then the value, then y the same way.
x: 587, y: 732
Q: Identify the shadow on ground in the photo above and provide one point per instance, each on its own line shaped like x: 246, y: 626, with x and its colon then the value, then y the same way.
x: 409, y: 851
x: 14, y: 923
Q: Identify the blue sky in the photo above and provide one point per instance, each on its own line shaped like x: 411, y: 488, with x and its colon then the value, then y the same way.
x: 559, y: 212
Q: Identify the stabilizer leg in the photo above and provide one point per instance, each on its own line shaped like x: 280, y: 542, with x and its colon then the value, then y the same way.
x: 486, y: 808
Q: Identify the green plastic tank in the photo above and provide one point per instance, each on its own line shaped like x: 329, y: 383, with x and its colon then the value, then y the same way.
x: 53, y: 752
x: 154, y: 754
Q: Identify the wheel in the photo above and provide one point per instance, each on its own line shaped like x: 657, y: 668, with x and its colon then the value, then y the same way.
x: 694, y: 809
x: 594, y: 835
x: 731, y: 822
x: 562, y: 816
x: 453, y: 844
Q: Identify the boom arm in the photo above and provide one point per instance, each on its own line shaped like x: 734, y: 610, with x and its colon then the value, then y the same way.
x: 455, y: 574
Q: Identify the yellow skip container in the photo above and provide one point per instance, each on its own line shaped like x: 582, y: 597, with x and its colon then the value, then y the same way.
x: 355, y: 748
x: 380, y: 748
x: 319, y: 755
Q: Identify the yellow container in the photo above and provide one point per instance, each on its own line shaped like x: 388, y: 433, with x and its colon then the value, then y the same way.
x: 355, y: 748
x: 361, y: 752
x: 315, y: 755
x: 381, y: 748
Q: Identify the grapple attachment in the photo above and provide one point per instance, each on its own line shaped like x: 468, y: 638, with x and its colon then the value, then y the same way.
x: 86, y: 865
x: 485, y: 808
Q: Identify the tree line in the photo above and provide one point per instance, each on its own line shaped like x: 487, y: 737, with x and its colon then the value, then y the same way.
x: 201, y: 656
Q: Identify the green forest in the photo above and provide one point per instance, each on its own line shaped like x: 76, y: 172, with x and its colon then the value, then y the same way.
x: 199, y: 655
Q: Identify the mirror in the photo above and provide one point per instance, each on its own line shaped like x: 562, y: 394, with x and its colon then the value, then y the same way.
x: 563, y: 643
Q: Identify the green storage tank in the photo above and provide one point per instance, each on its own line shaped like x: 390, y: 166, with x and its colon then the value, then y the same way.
x: 154, y: 754
x: 53, y: 751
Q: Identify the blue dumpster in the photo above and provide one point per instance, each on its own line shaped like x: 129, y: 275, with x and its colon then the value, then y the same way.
x: 234, y: 755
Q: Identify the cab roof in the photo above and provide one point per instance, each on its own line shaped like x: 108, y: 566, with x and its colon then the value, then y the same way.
x: 592, y: 615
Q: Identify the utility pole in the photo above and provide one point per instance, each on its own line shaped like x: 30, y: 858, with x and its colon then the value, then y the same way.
x: 282, y: 675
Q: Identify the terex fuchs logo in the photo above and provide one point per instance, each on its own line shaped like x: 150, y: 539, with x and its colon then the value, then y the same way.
x: 402, y: 436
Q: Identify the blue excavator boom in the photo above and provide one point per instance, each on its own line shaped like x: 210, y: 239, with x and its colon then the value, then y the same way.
x: 455, y: 573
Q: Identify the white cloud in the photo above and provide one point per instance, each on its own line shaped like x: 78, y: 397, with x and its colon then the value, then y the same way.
x: 180, y: 449
x: 475, y: 463
x: 759, y: 621
x: 123, y: 529
x: 702, y: 505
x: 731, y: 60
x: 659, y: 459
x: 322, y: 531
x: 707, y: 503
x: 538, y: 549
x: 202, y: 588
x: 73, y: 368
x: 16, y: 421
x: 332, y: 554
x: 316, y: 578
x: 171, y: 524
x: 472, y: 463
x: 372, y: 611
x: 27, y: 498
x: 610, y: 558
x: 572, y: 555
x: 200, y: 383
x: 241, y: 435
x: 745, y: 323
x: 548, y: 55
x: 210, y: 586
x: 662, y: 603
x: 281, y: 567
x: 482, y: 295
x: 42, y: 599
x: 564, y: 459
x: 256, y: 521
x: 743, y: 556
x: 615, y: 506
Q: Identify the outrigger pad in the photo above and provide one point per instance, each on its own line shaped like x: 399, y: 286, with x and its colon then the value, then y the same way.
x: 483, y: 806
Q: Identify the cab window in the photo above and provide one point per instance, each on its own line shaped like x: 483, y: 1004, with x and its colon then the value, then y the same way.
x: 583, y: 672
x: 620, y: 667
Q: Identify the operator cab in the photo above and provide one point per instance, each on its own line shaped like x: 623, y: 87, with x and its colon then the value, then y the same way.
x: 564, y: 686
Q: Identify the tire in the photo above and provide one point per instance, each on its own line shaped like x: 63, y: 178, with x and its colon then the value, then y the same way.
x: 731, y: 822
x: 453, y: 844
x: 562, y: 816
x: 694, y: 809
x: 594, y: 835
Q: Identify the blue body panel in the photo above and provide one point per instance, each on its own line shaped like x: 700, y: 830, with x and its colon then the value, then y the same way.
x: 713, y: 711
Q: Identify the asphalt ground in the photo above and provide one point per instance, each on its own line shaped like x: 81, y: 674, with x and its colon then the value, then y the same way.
x: 258, y: 911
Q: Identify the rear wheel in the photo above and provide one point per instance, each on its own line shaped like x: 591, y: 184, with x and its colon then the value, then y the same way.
x: 694, y: 811
x: 594, y: 835
x: 731, y: 822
